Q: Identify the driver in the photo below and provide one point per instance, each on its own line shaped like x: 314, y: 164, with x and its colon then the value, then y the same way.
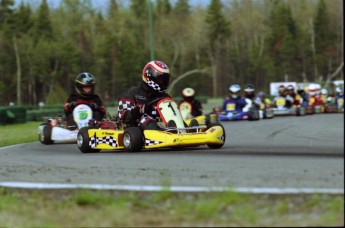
x: 240, y: 102
x: 249, y: 93
x: 132, y: 108
x: 84, y: 94
x: 188, y: 95
x: 282, y: 92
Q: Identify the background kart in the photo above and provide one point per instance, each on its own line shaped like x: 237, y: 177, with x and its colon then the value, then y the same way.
x: 281, y: 110
x: 265, y: 111
x: 232, y: 114
x: 203, y: 120
x: 174, y: 133
x: 54, y: 130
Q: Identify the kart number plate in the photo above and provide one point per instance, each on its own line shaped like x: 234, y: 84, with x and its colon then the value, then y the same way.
x: 230, y: 107
x: 280, y: 102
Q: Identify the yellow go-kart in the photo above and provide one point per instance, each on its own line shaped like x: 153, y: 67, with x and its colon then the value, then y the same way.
x: 204, y: 120
x: 175, y: 133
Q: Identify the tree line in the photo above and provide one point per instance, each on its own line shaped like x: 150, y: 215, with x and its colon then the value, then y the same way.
x: 208, y: 47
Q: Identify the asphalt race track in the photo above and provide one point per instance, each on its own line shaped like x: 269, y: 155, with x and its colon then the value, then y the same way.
x: 283, y: 152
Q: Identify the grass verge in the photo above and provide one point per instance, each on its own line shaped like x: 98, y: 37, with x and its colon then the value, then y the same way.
x: 19, y: 133
x: 91, y: 208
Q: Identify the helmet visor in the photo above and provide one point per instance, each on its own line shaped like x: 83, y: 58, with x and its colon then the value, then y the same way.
x: 163, y: 80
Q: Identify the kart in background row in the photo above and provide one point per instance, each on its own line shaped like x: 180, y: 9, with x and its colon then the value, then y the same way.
x: 54, y: 129
x: 281, y: 110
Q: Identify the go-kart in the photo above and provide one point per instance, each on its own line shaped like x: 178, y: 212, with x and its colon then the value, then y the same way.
x: 281, y: 110
x: 174, y: 133
x: 251, y: 113
x: 186, y: 112
x: 265, y: 111
x: 55, y: 130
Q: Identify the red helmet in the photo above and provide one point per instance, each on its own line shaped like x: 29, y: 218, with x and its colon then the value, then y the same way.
x: 156, y: 75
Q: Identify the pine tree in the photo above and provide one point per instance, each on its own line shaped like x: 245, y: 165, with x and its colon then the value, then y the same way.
x: 325, y: 41
x: 218, y: 30
x: 42, y: 24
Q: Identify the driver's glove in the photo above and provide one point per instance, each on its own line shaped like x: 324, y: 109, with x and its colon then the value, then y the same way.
x: 94, y: 106
x: 72, y: 104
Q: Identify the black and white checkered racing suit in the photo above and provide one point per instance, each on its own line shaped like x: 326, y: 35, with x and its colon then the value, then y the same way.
x: 131, y: 101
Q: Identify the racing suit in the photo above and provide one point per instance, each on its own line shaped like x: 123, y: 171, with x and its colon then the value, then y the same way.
x: 131, y: 103
x: 296, y: 98
x: 256, y: 102
x: 315, y: 100
x: 305, y: 98
x: 339, y: 101
x: 289, y: 101
x: 93, y: 101
x: 240, y: 104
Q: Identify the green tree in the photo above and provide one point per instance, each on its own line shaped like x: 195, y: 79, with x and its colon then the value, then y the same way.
x: 218, y: 32
x: 283, y: 43
x: 325, y: 49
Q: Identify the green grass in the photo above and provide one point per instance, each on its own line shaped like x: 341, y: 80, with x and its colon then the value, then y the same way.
x: 86, y: 208
x: 18, y: 133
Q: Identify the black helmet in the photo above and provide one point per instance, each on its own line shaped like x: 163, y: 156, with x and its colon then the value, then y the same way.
x: 85, y: 80
x: 249, y: 90
x: 156, y: 75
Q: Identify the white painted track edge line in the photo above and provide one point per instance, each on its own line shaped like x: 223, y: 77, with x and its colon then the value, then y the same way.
x: 253, y: 190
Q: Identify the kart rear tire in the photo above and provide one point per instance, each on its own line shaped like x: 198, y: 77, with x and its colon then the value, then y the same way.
x: 216, y: 146
x: 46, y: 136
x: 133, y: 139
x: 83, y: 141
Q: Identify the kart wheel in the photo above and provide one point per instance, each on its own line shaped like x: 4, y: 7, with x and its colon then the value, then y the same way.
x: 83, y: 141
x: 46, y: 136
x: 133, y: 139
x: 253, y: 114
x: 216, y: 146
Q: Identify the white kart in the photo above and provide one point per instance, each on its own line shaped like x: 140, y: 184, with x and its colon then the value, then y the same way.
x: 54, y: 130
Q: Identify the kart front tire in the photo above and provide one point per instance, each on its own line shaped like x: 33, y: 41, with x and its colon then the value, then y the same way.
x: 133, y: 139
x: 83, y: 141
x: 46, y: 136
x: 216, y: 146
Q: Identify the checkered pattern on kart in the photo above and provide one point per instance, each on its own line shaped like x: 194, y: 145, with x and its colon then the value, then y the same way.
x: 94, y: 141
x: 149, y: 142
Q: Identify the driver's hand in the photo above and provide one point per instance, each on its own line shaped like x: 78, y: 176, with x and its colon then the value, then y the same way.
x: 94, y: 106
x: 144, y: 109
x: 72, y: 104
